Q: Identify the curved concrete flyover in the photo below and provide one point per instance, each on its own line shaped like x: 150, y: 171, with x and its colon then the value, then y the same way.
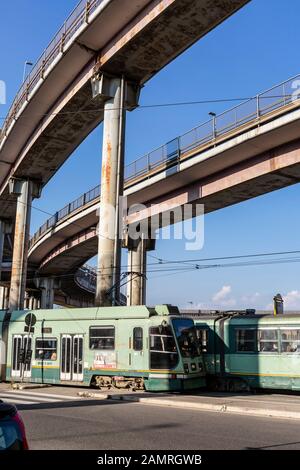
x: 214, y: 164
x: 54, y: 110
x: 75, y: 289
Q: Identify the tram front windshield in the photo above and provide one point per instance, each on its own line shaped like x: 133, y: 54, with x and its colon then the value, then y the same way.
x: 186, y: 335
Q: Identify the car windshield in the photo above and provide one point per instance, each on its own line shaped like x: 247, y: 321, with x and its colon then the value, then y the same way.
x: 10, y: 435
x: 186, y: 335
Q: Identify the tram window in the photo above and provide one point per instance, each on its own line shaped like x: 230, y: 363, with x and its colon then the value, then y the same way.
x: 163, y: 350
x: 187, y: 337
x: 102, y: 337
x: 202, y: 335
x: 46, y: 349
x: 290, y: 341
x: 245, y: 340
x: 138, y: 339
x: 267, y: 341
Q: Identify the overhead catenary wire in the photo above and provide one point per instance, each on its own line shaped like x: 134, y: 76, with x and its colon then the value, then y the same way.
x: 164, y: 105
x: 190, y: 261
x: 178, y: 270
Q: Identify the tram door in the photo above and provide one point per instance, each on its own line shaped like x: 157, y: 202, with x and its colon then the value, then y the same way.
x: 71, y: 367
x: 137, y: 353
x: 21, y: 347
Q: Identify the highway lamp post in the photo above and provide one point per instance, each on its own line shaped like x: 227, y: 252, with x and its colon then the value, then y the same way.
x: 213, y: 115
x: 26, y: 64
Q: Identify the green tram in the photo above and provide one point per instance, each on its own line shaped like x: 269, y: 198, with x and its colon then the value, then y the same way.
x: 244, y: 351
x: 137, y: 348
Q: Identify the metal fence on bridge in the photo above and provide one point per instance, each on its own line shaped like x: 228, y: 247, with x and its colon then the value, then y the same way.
x: 169, y: 154
x: 79, y: 16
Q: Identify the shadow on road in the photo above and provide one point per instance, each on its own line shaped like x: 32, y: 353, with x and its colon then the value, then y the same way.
x: 272, y: 446
x: 67, y: 404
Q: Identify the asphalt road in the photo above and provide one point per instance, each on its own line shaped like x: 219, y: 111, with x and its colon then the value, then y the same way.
x: 102, y: 425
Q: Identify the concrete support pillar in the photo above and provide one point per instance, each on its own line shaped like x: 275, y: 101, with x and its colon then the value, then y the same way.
x: 36, y: 303
x: 4, y: 339
x: 112, y: 153
x: 6, y: 298
x: 2, y: 235
x: 26, y: 300
x: 2, y: 297
x: 117, y: 94
x: 30, y: 303
x: 25, y: 191
x: 47, y: 293
x: 137, y: 267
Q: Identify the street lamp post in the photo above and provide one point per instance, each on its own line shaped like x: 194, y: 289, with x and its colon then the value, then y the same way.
x: 29, y: 64
x: 213, y: 115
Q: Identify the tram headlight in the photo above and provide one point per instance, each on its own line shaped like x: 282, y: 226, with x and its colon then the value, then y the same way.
x: 193, y: 366
x: 186, y: 368
x: 200, y: 366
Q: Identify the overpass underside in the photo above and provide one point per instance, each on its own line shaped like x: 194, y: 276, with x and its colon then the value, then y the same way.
x: 266, y: 172
x: 133, y: 40
x: 47, y: 132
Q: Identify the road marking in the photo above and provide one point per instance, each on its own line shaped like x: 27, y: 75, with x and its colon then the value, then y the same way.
x: 33, y: 398
x: 39, y: 394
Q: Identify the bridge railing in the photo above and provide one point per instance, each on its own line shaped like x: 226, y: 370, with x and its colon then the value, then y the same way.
x: 249, y: 111
x: 79, y: 16
x: 66, y: 211
x: 86, y: 277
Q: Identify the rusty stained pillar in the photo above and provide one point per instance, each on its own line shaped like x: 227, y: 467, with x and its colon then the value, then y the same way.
x: 118, y: 95
x: 25, y: 191
x: 30, y: 303
x: 137, y: 267
x: 6, y: 298
x: 47, y: 286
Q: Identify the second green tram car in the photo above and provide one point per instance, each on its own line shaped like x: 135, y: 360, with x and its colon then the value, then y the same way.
x: 250, y: 351
x: 137, y: 348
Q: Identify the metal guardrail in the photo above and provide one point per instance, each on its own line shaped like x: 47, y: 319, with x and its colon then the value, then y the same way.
x: 86, y: 277
x: 249, y: 111
x: 79, y: 16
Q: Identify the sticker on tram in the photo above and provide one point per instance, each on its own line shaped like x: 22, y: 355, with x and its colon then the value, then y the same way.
x: 105, y: 360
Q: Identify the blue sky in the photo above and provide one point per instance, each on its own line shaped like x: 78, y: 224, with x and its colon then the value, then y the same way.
x: 252, y: 51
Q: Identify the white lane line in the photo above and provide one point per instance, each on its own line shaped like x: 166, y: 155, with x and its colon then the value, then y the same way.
x: 12, y: 397
x: 50, y: 395
x: 21, y: 402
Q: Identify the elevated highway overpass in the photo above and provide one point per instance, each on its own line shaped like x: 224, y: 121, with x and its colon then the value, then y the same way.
x: 252, y: 149
x: 55, y: 108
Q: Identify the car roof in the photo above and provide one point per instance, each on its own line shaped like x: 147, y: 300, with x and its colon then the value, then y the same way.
x: 7, y: 409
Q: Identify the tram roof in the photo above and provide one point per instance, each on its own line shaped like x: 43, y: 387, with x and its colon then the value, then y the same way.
x: 242, y: 317
x: 95, y: 313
